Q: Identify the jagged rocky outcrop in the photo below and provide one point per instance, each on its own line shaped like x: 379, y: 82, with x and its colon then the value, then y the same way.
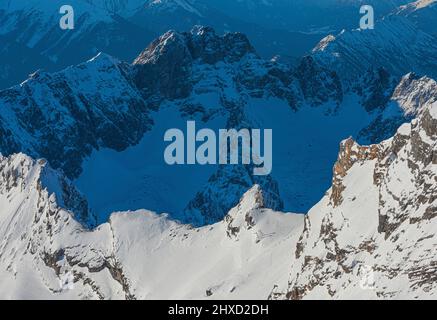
x: 415, y: 93
x: 373, y: 235
x: 64, y: 116
x: 375, y: 88
x: 395, y: 44
x: 395, y: 106
x: 135, y: 255
x: 106, y: 103
x: 44, y: 224
x: 165, y: 67
x: 319, y: 85
x: 20, y: 174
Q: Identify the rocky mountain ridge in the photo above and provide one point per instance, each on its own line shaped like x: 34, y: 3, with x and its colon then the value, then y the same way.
x: 106, y: 103
x: 371, y: 236
x: 384, y: 245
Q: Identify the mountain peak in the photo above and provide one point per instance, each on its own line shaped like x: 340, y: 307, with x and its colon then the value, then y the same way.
x: 101, y: 56
x: 174, y: 5
x: 166, y: 64
x: 169, y: 42
x: 252, y: 199
x: 351, y: 52
x: 19, y: 173
x: 350, y: 153
x: 415, y: 93
x: 200, y: 42
x: 323, y: 44
x: 241, y: 216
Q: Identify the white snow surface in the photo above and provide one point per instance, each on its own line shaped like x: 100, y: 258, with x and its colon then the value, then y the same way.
x: 160, y: 257
x: 376, y: 223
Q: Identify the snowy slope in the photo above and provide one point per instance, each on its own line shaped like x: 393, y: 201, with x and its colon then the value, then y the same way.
x: 379, y: 216
x: 101, y: 123
x: 310, y: 16
x: 409, y: 98
x: 215, y: 80
x: 122, y: 28
x: 422, y: 13
x: 63, y: 116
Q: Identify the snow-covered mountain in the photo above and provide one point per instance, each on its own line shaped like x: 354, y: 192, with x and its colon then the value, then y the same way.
x: 135, y: 255
x: 371, y: 236
x: 105, y: 103
x: 34, y: 26
x: 87, y: 222
x: 409, y: 98
x: 123, y: 28
x: 310, y: 16
x: 118, y: 27
x: 400, y: 48
x: 397, y: 43
x: 102, y: 123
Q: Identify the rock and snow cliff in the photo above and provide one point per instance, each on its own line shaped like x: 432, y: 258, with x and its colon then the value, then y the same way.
x: 101, y: 123
x: 76, y: 114
x: 135, y: 255
x: 371, y: 236
x: 397, y: 43
x: 107, y: 104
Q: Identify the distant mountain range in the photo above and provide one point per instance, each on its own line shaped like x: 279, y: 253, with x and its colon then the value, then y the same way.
x: 32, y: 39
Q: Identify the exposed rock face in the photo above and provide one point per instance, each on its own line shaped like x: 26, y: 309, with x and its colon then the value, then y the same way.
x: 243, y: 216
x: 265, y: 79
x: 63, y: 116
x: 210, y: 205
x: 372, y: 63
x: 135, y: 255
x: 21, y: 174
x: 400, y: 104
x: 105, y: 103
x: 415, y: 93
x: 165, y: 67
x: 375, y: 228
x: 319, y: 85
x: 206, y: 45
x: 371, y: 236
x: 350, y: 153
x: 35, y: 226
